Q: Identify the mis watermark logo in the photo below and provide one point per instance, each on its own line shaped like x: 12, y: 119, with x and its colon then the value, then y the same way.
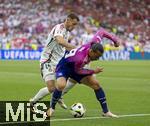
x: 13, y: 112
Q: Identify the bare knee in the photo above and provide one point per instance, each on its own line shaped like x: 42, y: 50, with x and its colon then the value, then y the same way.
x: 61, y: 86
x: 61, y: 83
x: 95, y: 86
x: 50, y: 86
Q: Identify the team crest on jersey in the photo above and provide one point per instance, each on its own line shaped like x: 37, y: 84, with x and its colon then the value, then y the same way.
x: 60, y: 74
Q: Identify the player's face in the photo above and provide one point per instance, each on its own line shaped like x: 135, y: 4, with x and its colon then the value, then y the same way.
x: 71, y: 24
x: 94, y: 55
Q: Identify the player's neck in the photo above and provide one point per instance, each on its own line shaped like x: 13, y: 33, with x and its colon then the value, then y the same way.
x: 65, y: 25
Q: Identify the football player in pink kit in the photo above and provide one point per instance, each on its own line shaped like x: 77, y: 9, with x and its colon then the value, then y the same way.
x: 72, y: 66
x: 102, y: 33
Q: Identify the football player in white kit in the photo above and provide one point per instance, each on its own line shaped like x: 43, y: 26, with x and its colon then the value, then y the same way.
x: 53, y: 51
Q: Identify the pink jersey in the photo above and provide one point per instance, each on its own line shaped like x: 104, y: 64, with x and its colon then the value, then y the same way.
x: 102, y: 33
x: 78, y: 58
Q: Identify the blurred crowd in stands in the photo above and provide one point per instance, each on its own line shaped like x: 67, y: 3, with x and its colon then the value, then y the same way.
x: 25, y: 24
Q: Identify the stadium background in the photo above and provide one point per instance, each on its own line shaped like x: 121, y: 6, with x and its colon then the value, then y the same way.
x: 24, y: 25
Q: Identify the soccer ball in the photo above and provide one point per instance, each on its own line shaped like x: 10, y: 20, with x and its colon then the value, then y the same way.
x: 77, y: 110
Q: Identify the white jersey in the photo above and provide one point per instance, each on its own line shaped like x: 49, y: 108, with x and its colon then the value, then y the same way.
x: 53, y: 51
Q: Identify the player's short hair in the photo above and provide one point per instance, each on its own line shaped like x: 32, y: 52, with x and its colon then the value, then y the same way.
x: 73, y: 16
x: 97, y: 47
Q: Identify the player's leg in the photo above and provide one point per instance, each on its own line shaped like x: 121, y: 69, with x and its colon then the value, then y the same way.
x: 44, y: 91
x: 100, y: 95
x: 41, y: 94
x: 60, y: 85
x: 99, y: 92
x: 50, y: 86
x: 70, y: 84
x: 49, y: 77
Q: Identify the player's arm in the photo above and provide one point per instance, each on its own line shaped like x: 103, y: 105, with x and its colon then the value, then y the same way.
x: 65, y: 44
x: 110, y: 36
x: 103, y: 33
x: 58, y: 35
x: 83, y: 71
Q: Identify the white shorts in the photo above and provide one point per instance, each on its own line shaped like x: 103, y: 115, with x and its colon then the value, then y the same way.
x: 47, y: 72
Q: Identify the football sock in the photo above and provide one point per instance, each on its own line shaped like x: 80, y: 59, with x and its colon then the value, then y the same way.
x: 100, y: 95
x: 69, y: 85
x: 42, y: 93
x: 55, y: 97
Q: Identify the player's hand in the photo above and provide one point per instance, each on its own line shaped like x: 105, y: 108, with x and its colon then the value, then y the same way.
x: 98, y: 70
x: 116, y: 44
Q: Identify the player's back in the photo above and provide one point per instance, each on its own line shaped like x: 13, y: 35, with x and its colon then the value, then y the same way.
x: 74, y: 61
x: 77, y: 57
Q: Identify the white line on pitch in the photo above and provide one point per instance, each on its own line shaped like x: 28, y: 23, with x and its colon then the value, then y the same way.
x: 88, y: 118
x: 71, y: 119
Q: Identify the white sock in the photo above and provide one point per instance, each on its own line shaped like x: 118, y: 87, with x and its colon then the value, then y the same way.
x: 69, y: 85
x: 42, y: 93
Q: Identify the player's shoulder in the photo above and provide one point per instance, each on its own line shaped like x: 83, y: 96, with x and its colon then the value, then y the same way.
x: 60, y: 26
x: 83, y: 49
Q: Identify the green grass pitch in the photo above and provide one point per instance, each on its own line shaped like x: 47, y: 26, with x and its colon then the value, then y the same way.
x: 126, y: 84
